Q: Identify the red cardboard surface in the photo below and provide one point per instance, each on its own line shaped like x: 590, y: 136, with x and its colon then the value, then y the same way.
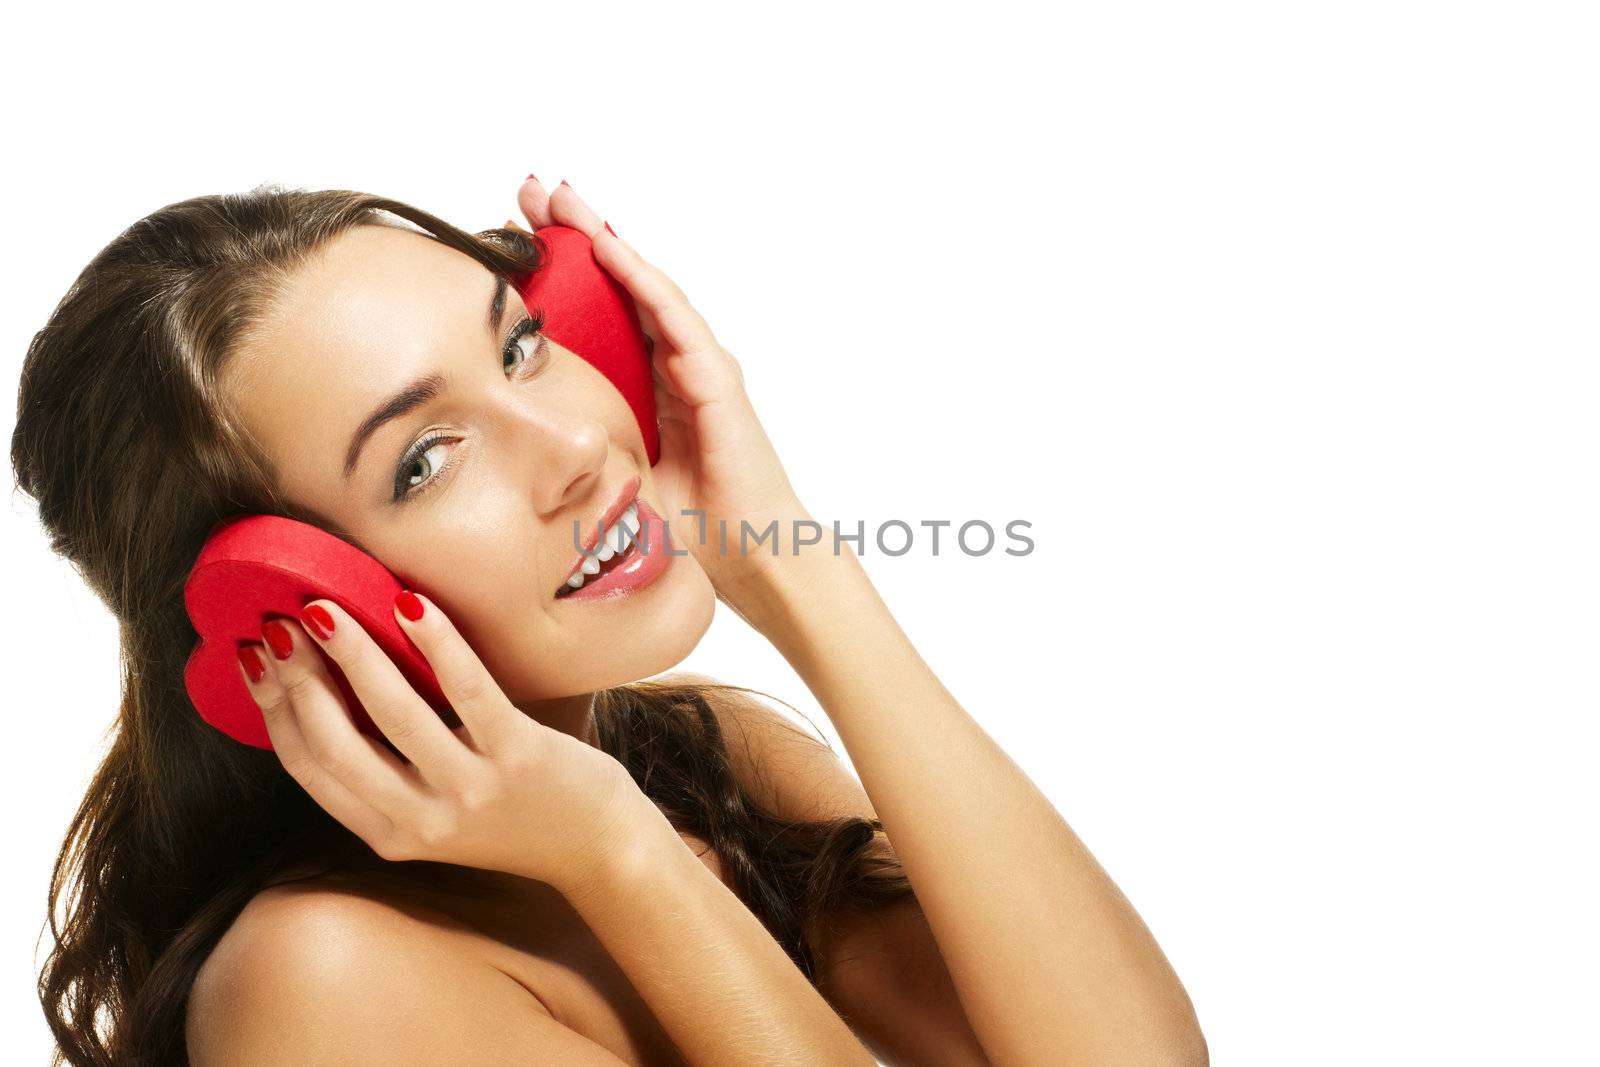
x: 254, y: 567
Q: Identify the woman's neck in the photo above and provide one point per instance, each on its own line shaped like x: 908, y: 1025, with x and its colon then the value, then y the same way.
x: 573, y: 715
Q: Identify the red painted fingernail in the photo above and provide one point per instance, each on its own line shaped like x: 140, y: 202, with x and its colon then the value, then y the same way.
x: 564, y: 182
x: 409, y: 605
x: 531, y: 178
x: 278, y: 638
x: 317, y: 620
x: 610, y: 230
x: 253, y: 665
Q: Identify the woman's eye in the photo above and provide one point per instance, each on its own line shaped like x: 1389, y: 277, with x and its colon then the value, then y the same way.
x: 425, y: 465
x: 527, y: 345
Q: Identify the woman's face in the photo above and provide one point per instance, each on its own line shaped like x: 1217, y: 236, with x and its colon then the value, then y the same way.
x: 519, y: 444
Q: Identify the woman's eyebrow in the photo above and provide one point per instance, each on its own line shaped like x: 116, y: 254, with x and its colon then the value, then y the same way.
x: 419, y: 392
x: 497, y: 304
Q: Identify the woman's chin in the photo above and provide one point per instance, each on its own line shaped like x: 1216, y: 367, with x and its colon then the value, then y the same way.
x: 670, y: 628
x: 629, y: 638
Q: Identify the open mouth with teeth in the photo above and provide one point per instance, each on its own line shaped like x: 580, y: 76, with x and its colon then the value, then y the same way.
x: 618, y: 545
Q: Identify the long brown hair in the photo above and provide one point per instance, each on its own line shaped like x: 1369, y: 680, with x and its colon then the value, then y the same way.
x: 132, y: 456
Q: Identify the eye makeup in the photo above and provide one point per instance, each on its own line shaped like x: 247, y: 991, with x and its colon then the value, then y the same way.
x: 407, y: 490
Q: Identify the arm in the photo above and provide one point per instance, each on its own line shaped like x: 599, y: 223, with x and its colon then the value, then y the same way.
x: 1001, y: 876
x: 880, y: 969
x: 1050, y: 960
x: 720, y: 986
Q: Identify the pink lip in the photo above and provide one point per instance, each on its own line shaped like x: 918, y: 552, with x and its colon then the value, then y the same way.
x: 640, y: 570
x: 606, y: 521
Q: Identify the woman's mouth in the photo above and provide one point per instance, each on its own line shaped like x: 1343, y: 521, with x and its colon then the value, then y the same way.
x: 630, y: 556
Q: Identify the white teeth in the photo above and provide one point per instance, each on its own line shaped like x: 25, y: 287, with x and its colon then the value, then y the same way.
x: 624, y: 532
x: 614, y: 539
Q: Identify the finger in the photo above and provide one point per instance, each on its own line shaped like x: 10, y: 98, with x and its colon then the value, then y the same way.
x: 676, y: 322
x: 390, y: 699
x: 647, y: 323
x: 669, y: 372
x: 673, y: 318
x: 648, y: 327
x: 684, y: 385
x: 676, y: 441
x: 700, y: 378
x: 289, y: 744
x: 535, y: 203
x: 362, y: 765
x: 491, y: 719
x: 669, y: 406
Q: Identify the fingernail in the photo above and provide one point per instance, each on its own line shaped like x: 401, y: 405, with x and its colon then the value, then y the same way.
x: 278, y: 638
x: 531, y: 178
x: 610, y: 230
x: 317, y: 619
x: 409, y: 605
x: 564, y: 182
x: 252, y: 663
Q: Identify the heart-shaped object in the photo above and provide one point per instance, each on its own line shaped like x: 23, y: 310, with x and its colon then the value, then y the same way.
x: 253, y: 567
x: 589, y: 312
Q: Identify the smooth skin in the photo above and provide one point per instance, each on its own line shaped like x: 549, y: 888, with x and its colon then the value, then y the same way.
x: 1058, y: 968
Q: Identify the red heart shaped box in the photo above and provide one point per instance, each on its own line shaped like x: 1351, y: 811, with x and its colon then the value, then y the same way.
x: 257, y: 566
x: 253, y: 567
x: 589, y: 312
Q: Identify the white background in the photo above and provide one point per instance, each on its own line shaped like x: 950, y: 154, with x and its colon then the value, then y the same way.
x: 1277, y: 322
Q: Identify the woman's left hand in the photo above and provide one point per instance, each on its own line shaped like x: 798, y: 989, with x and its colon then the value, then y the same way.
x: 715, y: 456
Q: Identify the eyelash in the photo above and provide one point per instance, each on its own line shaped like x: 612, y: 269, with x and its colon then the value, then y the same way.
x: 403, y: 493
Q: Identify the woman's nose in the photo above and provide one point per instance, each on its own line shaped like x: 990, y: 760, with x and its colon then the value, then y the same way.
x: 561, y: 452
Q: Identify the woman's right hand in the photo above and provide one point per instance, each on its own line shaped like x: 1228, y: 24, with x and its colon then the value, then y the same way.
x: 502, y: 791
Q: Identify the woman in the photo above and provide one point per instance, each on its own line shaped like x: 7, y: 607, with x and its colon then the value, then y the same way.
x: 590, y: 869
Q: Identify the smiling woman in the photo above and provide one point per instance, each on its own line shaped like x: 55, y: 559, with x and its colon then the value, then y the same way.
x: 300, y: 353
x: 597, y: 865
x: 408, y: 402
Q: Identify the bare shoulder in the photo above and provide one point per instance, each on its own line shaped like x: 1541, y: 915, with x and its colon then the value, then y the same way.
x: 317, y: 974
